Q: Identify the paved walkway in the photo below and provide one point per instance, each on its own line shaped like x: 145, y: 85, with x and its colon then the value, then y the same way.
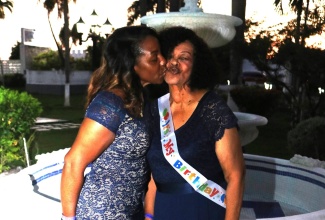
x: 47, y: 124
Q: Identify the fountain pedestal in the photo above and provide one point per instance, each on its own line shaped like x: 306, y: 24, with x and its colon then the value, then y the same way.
x: 248, y: 126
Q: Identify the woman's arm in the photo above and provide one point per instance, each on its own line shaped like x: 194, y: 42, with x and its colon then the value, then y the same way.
x: 92, y: 139
x: 149, y: 202
x: 230, y: 155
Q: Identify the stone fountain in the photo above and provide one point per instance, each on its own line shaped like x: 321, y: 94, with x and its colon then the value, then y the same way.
x: 216, y: 29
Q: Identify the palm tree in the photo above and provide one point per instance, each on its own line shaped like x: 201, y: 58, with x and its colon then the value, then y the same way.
x: 49, y: 6
x: 63, y: 9
x: 300, y: 7
x: 3, y: 5
x: 238, y: 10
x: 141, y: 7
x: 297, y: 7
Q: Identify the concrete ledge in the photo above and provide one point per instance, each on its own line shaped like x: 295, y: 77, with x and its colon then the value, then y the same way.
x: 55, y: 89
x: 53, y: 82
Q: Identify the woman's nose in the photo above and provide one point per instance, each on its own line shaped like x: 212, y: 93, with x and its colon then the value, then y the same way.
x: 173, y: 61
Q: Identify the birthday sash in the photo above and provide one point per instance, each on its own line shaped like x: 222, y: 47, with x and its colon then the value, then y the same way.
x: 202, y: 185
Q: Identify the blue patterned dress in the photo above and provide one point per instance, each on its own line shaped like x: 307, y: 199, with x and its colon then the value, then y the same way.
x: 175, y: 198
x: 115, y: 186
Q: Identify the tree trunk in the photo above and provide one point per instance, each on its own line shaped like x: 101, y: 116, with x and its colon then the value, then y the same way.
x: 161, y: 6
x: 299, y: 11
x: 143, y: 8
x: 2, y: 74
x: 56, y: 42
x: 236, y: 59
x: 175, y: 5
x: 67, y: 54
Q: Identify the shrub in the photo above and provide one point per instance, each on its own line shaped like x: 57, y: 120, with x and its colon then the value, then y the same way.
x: 80, y: 64
x: 47, y: 60
x: 16, y: 80
x: 18, y: 111
x: 255, y: 99
x: 50, y: 59
x: 308, y: 138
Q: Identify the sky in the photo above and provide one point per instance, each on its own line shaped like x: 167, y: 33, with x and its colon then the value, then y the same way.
x: 31, y: 14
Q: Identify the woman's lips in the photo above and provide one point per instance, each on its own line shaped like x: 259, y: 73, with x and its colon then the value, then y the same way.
x: 173, y: 70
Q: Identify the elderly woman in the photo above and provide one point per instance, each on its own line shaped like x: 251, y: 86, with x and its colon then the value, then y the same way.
x: 195, y: 155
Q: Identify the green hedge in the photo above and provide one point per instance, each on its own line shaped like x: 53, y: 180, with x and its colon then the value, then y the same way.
x: 18, y: 112
x: 308, y: 138
x: 49, y: 60
x: 16, y: 80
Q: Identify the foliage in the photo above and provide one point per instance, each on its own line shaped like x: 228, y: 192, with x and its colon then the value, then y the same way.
x: 49, y: 60
x: 256, y: 99
x: 138, y: 8
x: 305, y: 65
x: 62, y: 10
x: 15, y: 52
x: 18, y: 112
x: 309, y: 20
x: 80, y: 64
x: 308, y: 68
x: 308, y: 138
x: 16, y: 80
x: 5, y: 4
x: 46, y: 61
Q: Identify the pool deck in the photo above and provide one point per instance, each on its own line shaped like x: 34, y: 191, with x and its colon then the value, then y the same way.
x: 47, y: 124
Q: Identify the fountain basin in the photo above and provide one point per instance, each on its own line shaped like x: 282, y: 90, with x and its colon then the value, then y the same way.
x: 275, y: 189
x: 282, y: 190
x: 216, y: 29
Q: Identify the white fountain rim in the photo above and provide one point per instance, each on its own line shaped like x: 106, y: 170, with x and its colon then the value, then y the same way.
x: 172, y: 15
x: 250, y: 119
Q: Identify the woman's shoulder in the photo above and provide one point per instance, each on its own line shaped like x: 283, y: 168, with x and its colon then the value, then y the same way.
x: 106, y: 109
x: 212, y: 98
x: 217, y: 106
x: 107, y: 100
x: 217, y: 115
x: 108, y: 96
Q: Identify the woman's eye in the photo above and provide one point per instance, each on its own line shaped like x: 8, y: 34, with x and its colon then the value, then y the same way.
x: 183, y: 58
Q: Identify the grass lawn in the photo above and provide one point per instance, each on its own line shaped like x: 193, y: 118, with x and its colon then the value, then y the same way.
x: 270, y: 142
x: 272, y: 138
x: 53, y: 107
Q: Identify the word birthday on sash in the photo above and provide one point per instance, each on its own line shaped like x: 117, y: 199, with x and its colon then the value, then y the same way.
x: 195, y: 180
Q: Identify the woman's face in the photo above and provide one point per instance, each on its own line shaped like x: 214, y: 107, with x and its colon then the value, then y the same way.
x: 179, y: 66
x: 150, y: 63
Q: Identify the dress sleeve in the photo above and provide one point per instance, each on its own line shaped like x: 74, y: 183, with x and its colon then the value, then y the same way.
x: 218, y: 117
x: 107, y: 109
x: 226, y: 119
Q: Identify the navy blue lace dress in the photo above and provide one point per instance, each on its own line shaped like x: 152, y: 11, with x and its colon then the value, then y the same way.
x: 175, y: 199
x: 115, y: 186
